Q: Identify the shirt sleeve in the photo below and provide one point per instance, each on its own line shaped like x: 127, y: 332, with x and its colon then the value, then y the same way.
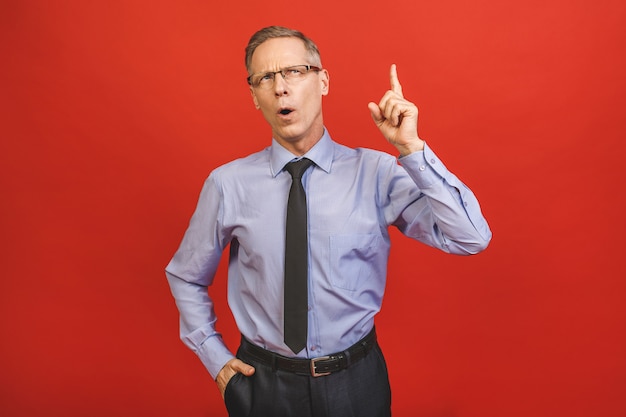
x: 192, y: 270
x: 446, y: 213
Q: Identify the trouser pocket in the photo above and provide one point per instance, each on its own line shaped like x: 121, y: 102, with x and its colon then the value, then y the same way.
x: 238, y: 396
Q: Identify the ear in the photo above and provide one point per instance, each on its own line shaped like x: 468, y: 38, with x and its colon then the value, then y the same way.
x: 325, y: 81
x: 256, y: 102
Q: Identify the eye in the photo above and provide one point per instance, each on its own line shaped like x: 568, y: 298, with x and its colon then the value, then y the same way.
x: 296, y: 70
x: 267, y: 77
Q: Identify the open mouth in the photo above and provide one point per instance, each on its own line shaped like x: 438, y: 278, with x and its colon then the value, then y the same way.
x: 285, y: 111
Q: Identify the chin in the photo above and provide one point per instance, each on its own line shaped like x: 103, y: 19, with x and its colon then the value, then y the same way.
x: 290, y: 134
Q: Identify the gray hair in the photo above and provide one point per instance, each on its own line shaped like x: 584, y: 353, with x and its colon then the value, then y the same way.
x: 272, y: 32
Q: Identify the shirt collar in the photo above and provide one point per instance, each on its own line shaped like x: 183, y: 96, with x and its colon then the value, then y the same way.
x: 321, y: 154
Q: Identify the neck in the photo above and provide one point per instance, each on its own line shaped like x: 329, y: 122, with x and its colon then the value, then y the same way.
x: 300, y: 146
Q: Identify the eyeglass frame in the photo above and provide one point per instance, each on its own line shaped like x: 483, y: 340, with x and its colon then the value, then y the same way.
x: 282, y: 72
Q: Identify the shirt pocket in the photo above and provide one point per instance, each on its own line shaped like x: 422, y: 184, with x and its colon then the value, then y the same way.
x: 354, y: 259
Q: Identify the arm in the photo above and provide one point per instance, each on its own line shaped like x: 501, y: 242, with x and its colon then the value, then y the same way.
x: 445, y: 214
x: 189, y: 273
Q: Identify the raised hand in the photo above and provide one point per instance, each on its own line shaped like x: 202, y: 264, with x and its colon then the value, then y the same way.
x: 396, y: 117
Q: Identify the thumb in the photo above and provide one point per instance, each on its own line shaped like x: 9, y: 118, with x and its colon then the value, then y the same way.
x: 377, y: 115
x: 242, y: 367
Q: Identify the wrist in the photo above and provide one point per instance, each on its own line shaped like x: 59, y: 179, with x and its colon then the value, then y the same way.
x: 416, y: 145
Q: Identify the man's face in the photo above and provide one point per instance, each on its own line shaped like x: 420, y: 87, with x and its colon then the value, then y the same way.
x: 293, y: 109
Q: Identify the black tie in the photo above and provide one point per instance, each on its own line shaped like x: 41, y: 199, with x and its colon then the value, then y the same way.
x: 296, y: 264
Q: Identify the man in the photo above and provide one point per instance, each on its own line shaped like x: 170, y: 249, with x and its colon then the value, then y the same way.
x: 328, y: 363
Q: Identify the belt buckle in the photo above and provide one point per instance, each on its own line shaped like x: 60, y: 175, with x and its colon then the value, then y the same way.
x: 314, y: 372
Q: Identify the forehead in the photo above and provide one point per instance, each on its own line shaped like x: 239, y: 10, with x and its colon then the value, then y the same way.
x: 277, y: 53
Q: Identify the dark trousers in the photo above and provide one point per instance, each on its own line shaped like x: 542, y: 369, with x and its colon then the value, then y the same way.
x: 361, y: 390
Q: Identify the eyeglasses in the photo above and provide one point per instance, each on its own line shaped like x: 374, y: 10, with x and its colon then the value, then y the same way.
x: 265, y: 80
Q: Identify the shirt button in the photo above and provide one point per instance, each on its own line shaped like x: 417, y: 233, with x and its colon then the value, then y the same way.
x: 313, y: 348
x: 432, y: 161
x: 422, y: 167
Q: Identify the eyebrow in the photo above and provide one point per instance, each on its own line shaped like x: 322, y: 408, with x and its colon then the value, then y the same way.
x: 279, y: 69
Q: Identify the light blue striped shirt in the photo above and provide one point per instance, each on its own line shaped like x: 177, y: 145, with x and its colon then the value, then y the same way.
x: 353, y: 196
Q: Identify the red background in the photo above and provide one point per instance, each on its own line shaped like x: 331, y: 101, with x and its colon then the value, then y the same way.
x: 114, y: 112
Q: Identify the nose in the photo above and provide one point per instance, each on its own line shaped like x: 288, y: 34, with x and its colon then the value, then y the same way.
x: 280, y: 85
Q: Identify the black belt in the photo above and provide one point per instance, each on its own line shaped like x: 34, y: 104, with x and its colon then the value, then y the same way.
x: 321, y: 366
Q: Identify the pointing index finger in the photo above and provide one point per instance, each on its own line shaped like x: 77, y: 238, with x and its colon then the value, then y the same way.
x: 395, y: 83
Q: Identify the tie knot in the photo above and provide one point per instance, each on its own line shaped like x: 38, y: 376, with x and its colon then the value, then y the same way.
x: 297, y: 168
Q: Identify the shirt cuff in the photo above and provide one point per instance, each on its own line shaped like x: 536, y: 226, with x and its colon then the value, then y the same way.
x: 214, y: 354
x: 424, y: 167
